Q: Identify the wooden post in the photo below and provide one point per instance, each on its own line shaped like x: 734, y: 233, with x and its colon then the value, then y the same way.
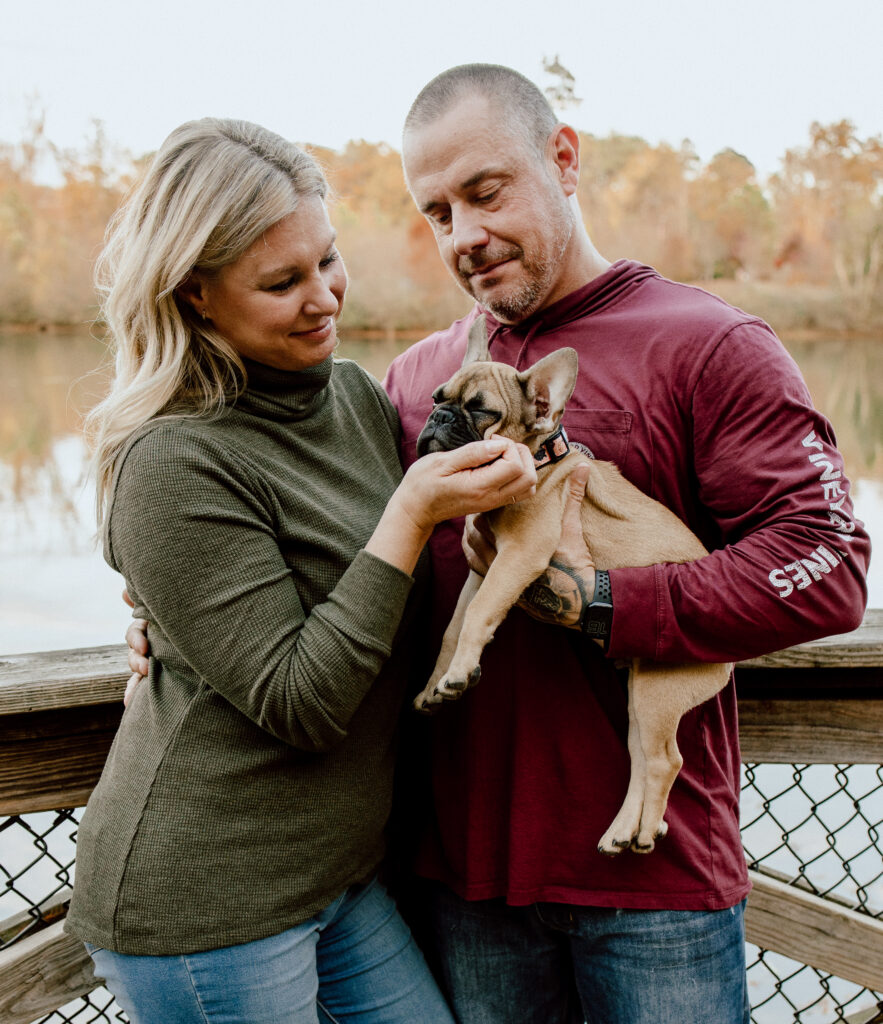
x: 41, y: 973
x: 815, y: 931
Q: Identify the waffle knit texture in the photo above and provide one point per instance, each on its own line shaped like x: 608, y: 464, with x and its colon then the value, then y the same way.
x: 250, y: 780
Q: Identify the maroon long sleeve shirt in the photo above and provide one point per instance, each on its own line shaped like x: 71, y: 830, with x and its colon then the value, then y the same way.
x: 702, y: 408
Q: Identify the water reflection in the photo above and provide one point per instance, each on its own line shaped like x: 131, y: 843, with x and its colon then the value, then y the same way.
x: 56, y: 591
x: 845, y: 379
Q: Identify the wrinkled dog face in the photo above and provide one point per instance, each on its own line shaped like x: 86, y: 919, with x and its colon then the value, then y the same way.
x: 471, y: 406
x: 484, y: 398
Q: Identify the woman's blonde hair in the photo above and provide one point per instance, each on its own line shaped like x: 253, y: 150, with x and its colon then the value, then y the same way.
x: 213, y: 188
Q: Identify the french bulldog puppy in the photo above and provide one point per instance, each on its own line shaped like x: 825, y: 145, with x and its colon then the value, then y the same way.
x: 622, y: 527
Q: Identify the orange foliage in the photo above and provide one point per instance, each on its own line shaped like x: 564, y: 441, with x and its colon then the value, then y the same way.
x: 819, y: 221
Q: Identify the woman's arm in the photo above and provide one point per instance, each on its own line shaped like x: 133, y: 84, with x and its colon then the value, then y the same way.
x: 203, y: 564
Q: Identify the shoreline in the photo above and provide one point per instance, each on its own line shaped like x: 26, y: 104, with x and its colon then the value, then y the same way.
x: 798, y: 334
x: 797, y: 311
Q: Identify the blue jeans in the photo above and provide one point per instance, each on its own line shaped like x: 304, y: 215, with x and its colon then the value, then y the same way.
x: 354, y: 961
x: 554, y: 963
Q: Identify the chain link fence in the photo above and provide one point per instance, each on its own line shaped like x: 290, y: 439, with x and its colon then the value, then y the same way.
x: 817, y: 827
x: 814, y: 826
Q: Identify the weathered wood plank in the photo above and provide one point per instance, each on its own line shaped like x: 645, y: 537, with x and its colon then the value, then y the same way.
x: 42, y: 973
x: 811, y: 731
x: 62, y: 679
x: 97, y: 675
x: 809, y: 683
x: 53, y: 759
x: 862, y: 648
x: 870, y: 1015
x: 50, y: 910
x: 815, y: 931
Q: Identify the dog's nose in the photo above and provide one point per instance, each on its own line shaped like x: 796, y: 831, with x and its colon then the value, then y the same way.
x: 442, y: 414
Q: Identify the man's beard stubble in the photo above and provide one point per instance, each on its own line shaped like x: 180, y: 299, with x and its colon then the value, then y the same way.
x: 526, y: 298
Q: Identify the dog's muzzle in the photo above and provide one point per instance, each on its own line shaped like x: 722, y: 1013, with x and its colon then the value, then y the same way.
x: 448, y: 427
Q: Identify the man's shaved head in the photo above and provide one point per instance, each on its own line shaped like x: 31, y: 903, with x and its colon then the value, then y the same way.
x: 522, y: 107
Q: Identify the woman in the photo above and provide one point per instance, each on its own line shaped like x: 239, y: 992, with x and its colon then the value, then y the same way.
x: 250, y: 494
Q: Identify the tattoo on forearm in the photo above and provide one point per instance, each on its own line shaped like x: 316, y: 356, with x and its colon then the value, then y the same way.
x: 557, y: 595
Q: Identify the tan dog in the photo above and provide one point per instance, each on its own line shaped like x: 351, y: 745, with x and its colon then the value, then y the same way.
x: 622, y: 527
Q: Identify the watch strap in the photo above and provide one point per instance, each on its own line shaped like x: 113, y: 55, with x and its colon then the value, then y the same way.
x: 598, y: 614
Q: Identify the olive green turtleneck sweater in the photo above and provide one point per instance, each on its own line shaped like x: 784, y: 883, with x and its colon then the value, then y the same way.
x: 250, y: 779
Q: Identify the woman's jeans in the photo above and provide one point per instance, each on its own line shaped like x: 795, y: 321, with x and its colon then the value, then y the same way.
x: 554, y: 963
x: 354, y: 961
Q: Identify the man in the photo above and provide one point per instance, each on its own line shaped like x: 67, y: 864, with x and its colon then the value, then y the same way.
x: 700, y: 407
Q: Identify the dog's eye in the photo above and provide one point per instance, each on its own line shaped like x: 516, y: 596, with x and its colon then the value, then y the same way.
x: 437, y: 396
x: 475, y: 407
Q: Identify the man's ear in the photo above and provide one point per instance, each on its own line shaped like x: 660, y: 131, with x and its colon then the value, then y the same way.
x: 563, y: 150
x: 548, y: 385
x: 476, y: 344
x: 193, y: 291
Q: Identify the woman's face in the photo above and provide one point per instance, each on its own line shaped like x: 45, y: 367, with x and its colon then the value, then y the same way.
x: 278, y: 303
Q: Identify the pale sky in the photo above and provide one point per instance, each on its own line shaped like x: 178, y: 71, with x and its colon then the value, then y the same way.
x: 751, y: 75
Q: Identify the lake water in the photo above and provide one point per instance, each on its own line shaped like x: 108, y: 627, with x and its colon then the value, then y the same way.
x: 55, y: 589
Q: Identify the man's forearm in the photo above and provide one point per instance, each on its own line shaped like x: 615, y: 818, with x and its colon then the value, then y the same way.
x: 560, y: 594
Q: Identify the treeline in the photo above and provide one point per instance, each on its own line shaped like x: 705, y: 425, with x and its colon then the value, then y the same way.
x: 813, y: 230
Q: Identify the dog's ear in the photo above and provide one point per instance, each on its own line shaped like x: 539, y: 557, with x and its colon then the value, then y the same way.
x: 476, y: 345
x: 547, y: 386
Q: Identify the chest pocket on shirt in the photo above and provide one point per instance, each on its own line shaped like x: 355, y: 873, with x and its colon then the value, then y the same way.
x: 605, y: 432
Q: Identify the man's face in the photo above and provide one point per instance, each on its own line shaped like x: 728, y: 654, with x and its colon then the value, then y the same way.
x: 500, y: 216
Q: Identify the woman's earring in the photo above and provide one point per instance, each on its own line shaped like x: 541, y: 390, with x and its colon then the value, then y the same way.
x: 203, y: 314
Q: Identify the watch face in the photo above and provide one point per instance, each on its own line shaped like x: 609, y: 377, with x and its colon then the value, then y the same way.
x: 597, y: 621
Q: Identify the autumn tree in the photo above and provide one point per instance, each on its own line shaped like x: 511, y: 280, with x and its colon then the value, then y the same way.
x: 732, y: 220
x: 829, y: 202
x: 818, y: 222
x: 648, y: 210
x: 602, y: 162
x: 50, y: 235
x: 20, y: 211
x: 561, y: 93
x: 396, y: 277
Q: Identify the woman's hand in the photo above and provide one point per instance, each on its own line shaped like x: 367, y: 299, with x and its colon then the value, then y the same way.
x: 139, y: 651
x: 444, y: 485
x: 475, y: 478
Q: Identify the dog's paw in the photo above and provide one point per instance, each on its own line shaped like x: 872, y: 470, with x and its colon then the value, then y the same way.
x: 645, y: 840
x: 622, y: 832
x: 448, y: 688
x: 454, y: 684
x: 610, y: 846
x: 423, y: 705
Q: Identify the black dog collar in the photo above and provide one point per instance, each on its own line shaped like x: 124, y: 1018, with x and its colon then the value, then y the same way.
x: 552, y: 450
x: 556, y: 447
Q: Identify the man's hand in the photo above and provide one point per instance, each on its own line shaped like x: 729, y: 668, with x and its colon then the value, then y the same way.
x: 479, y: 545
x: 139, y: 650
x: 563, y: 590
x: 567, y: 586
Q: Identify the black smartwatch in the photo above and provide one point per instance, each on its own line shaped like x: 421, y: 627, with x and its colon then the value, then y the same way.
x: 598, y: 615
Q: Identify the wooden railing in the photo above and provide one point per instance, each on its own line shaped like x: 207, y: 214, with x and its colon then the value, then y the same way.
x: 820, y: 703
